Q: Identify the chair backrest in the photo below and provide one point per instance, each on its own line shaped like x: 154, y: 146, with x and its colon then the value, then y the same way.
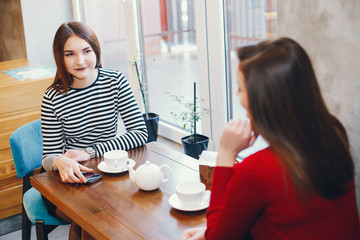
x: 26, y: 145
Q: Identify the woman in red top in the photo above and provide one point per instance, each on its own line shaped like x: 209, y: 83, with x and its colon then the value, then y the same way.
x: 302, y: 185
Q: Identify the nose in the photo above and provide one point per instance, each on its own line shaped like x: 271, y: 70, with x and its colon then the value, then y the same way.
x: 80, y: 59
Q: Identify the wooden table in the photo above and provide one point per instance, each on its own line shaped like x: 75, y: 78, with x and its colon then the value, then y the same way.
x: 115, y: 208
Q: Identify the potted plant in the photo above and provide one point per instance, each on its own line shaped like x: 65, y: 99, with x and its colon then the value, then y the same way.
x: 194, y: 143
x: 151, y: 119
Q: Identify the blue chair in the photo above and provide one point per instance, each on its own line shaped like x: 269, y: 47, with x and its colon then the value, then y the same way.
x: 26, y: 145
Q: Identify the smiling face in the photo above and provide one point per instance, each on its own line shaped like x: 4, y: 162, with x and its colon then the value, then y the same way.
x: 80, y: 61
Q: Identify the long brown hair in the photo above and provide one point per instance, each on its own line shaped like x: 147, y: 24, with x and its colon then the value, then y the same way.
x: 63, y: 79
x: 287, y: 109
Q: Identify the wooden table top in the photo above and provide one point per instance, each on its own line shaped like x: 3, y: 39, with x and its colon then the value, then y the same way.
x: 115, y: 208
x: 11, y: 65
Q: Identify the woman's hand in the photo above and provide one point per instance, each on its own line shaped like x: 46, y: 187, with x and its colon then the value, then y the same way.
x: 68, y: 168
x: 77, y: 155
x: 236, y: 136
x: 194, y: 234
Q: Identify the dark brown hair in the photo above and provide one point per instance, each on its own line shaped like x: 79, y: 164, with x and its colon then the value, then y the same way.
x: 287, y: 109
x: 63, y: 79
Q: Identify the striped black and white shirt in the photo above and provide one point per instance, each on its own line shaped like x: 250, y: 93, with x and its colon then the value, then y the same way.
x: 88, y: 117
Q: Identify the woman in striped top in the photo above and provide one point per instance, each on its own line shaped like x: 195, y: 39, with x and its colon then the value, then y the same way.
x: 81, y: 109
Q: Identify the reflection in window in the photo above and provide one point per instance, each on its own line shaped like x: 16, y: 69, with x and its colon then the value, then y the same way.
x: 169, y: 42
x: 105, y: 18
x: 249, y: 21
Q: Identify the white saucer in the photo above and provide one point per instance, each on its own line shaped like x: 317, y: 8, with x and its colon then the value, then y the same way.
x: 102, y: 167
x: 177, y: 204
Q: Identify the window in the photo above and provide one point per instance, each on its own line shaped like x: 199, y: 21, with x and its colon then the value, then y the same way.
x: 182, y: 42
x: 249, y: 21
x: 170, y: 54
x: 106, y: 19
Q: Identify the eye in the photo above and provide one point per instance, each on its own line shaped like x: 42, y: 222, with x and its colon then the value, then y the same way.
x: 68, y: 54
x: 238, y: 91
x: 88, y: 51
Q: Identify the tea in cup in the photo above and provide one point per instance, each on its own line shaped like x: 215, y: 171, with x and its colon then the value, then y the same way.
x: 116, y: 159
x: 190, y: 193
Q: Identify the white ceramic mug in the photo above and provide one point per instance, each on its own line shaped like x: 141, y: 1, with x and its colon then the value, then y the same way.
x: 116, y: 159
x: 190, y: 193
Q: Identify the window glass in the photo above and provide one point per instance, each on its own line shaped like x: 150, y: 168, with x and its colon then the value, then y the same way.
x: 105, y: 18
x: 170, y: 54
x: 249, y: 21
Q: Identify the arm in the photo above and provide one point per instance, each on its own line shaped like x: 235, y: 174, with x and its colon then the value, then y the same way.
x: 53, y: 145
x: 238, y: 197
x: 234, y: 200
x: 136, y: 132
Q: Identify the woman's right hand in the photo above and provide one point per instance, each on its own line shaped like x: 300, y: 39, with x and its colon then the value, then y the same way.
x: 68, y: 168
x: 237, y: 136
x: 197, y: 233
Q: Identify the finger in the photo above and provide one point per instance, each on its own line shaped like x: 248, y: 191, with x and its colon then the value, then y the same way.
x: 74, y: 179
x: 186, y: 235
x: 247, y: 129
x: 80, y: 176
x: 252, y: 140
x: 71, y: 178
x: 85, y: 169
x: 67, y: 179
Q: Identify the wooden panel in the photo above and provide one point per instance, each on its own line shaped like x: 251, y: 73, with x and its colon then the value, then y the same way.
x: 10, y: 182
x: 15, y: 98
x: 7, y: 167
x: 4, y: 213
x: 4, y: 141
x: 11, y: 122
x: 11, y: 197
x: 12, y: 37
x: 19, y: 104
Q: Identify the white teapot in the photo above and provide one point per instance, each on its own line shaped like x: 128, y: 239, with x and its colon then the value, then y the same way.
x: 149, y: 176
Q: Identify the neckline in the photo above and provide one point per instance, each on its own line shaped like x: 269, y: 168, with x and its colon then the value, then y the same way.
x: 92, y: 84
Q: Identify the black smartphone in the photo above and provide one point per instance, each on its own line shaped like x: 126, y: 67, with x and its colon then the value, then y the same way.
x: 91, y: 177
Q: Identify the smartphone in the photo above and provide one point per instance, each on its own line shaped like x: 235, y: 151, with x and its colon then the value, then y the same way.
x: 91, y: 177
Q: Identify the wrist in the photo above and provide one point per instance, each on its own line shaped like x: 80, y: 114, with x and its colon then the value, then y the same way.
x: 91, y: 151
x: 53, y: 165
x: 225, y: 159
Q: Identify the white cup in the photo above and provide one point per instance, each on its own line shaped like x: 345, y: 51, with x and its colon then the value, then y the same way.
x: 116, y: 159
x: 190, y: 193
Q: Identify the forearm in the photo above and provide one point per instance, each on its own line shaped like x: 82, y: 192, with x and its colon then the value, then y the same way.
x: 127, y: 141
x: 48, y: 162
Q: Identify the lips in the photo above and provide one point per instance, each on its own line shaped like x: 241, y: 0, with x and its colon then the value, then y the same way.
x: 81, y: 69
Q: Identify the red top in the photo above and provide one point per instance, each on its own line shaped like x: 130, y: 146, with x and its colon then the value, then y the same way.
x: 254, y: 198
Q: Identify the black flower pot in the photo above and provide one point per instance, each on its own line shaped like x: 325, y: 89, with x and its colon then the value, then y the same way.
x: 152, y: 125
x: 193, y: 146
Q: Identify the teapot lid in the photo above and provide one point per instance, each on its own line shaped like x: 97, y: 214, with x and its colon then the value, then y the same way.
x: 147, y: 165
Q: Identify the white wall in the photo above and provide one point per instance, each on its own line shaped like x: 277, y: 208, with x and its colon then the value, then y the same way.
x: 41, y: 20
x: 330, y: 32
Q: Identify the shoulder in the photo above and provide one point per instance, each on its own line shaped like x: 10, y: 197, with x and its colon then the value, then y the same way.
x: 108, y: 73
x: 262, y: 162
x: 51, y: 94
x: 255, y: 172
x: 113, y: 77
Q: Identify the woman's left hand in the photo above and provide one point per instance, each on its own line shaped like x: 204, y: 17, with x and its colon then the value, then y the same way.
x: 194, y: 234
x: 237, y: 135
x: 77, y: 155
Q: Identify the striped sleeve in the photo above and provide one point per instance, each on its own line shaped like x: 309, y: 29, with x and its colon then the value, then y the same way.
x: 136, y: 132
x: 52, y: 131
